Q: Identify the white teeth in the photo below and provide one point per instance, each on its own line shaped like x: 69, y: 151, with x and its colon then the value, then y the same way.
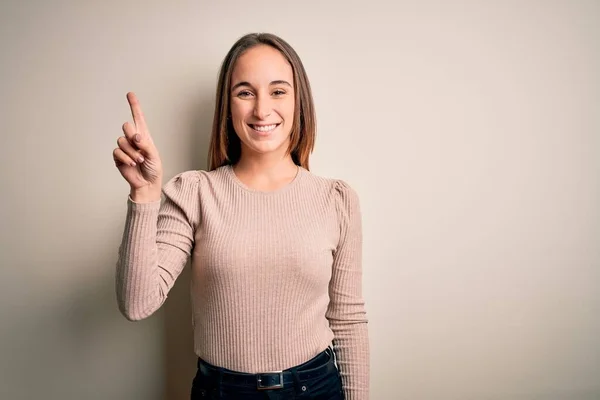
x: 265, y: 128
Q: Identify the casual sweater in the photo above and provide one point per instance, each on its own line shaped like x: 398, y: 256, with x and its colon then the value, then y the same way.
x: 276, y: 276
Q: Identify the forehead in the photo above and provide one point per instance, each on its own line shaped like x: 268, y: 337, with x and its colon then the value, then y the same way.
x: 260, y: 65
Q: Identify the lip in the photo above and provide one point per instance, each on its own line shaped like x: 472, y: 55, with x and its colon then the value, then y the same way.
x: 264, y: 133
x: 263, y: 124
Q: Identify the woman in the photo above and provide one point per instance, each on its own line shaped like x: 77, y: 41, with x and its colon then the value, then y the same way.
x: 276, y: 250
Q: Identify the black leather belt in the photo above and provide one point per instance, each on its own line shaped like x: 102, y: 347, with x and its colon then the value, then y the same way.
x: 313, y: 368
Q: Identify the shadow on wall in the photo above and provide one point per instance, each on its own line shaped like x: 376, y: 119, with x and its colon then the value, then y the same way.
x: 180, y: 360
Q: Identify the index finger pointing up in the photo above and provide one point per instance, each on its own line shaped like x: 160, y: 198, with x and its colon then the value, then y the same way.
x: 138, y: 115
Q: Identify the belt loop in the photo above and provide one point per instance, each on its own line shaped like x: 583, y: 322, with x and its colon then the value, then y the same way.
x: 294, y: 372
x: 220, y: 391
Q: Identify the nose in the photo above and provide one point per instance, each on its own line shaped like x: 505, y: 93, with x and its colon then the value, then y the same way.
x: 262, y: 107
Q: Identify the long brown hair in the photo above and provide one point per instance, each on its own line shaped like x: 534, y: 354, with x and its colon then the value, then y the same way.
x: 225, y: 147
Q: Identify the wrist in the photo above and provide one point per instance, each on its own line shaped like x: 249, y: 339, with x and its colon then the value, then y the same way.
x: 145, y: 194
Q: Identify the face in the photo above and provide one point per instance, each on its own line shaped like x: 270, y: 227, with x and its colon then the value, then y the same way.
x: 262, y: 100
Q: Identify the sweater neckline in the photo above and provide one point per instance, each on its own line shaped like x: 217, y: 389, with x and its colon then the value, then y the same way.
x: 284, y: 188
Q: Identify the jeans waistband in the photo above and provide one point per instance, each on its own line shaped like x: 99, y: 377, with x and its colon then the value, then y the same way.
x: 312, y: 368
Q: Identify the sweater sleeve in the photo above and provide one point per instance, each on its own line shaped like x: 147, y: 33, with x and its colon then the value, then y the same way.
x: 346, y: 312
x: 157, y: 242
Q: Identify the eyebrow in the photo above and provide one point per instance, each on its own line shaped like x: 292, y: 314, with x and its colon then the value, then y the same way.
x: 244, y: 83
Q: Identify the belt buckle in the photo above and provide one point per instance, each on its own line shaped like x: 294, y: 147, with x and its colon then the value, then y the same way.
x: 279, y: 385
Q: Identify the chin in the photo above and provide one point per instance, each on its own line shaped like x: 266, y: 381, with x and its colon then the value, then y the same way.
x: 266, y: 145
x: 265, y: 148
x: 263, y: 144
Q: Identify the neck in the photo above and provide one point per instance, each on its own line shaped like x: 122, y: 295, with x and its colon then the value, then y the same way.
x: 266, y: 172
x: 265, y: 164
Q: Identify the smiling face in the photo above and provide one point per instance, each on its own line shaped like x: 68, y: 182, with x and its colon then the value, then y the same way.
x: 262, y: 101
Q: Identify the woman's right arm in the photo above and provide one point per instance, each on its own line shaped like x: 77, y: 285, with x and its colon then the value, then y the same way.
x: 157, y: 239
x: 157, y: 242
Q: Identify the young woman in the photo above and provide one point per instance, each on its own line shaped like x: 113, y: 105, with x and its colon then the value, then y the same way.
x: 276, y: 287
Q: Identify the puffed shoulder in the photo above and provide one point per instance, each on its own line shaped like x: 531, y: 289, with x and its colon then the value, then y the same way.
x: 345, y: 193
x: 182, y: 185
x: 183, y: 192
x: 347, y: 200
x: 186, y: 178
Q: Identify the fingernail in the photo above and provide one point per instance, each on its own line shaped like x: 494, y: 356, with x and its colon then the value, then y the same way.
x: 141, y: 159
x: 132, y: 164
x: 137, y: 137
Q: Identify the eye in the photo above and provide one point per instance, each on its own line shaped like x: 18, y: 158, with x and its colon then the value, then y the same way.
x: 278, y: 92
x: 244, y: 93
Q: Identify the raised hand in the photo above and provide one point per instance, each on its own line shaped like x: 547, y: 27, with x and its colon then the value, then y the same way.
x: 137, y: 157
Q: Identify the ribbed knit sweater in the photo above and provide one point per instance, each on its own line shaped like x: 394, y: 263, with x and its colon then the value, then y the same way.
x: 276, y: 276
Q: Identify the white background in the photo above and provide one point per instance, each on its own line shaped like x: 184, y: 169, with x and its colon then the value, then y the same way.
x: 470, y: 129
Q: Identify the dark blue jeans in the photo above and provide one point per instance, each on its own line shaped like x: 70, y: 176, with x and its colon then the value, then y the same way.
x: 316, y: 379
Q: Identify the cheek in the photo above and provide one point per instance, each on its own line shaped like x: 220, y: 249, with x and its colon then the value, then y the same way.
x: 238, y: 114
x: 288, y: 111
x: 236, y: 109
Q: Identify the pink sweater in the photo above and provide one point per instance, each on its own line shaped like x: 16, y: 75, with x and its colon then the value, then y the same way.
x: 276, y: 276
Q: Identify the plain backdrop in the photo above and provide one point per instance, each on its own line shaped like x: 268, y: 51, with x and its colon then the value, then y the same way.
x: 470, y: 129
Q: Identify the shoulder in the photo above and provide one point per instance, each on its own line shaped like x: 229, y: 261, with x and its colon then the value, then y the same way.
x: 339, y: 192
x: 347, y: 200
x: 340, y: 189
x: 345, y: 191
x: 183, y: 190
x: 187, y: 180
x: 196, y: 178
x: 198, y: 181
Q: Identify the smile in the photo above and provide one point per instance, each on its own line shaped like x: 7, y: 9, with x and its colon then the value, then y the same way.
x: 263, y: 128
